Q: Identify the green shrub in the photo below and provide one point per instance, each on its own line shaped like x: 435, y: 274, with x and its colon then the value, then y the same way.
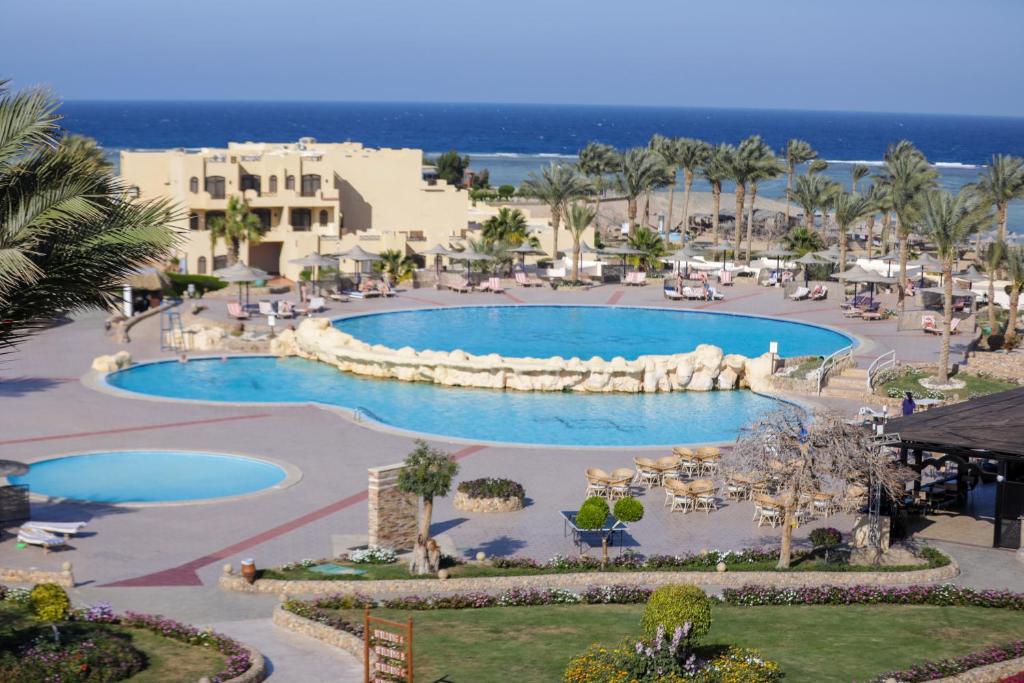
x: 592, y: 513
x: 203, y: 283
x: 489, y: 487
x: 826, y: 538
x: 628, y: 509
x: 50, y: 602
x: 675, y: 605
x: 740, y: 665
x: 96, y: 658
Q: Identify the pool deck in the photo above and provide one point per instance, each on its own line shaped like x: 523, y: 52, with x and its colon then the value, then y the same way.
x: 167, y: 559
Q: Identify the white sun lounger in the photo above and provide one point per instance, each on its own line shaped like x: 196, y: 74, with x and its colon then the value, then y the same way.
x: 44, y: 539
x: 66, y: 529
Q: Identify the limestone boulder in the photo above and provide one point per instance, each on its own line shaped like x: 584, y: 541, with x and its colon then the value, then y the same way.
x: 707, y: 357
x: 757, y: 373
x: 702, y: 380
x: 205, y: 338
x: 113, y: 362
x: 727, y: 379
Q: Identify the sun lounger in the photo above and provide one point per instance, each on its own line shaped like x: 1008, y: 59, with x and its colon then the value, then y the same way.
x: 800, y: 294
x: 693, y: 293
x: 285, y: 309
x: 492, y: 285
x: 772, y: 280
x: 525, y: 280
x: 334, y: 296
x: 44, y: 539
x: 819, y: 293
x: 66, y: 529
x: 724, y: 277
x: 385, y: 289
x: 236, y: 311
x: 671, y: 293
x: 267, y: 308
x: 929, y: 325
x: 639, y: 279
x: 462, y: 286
x: 316, y: 304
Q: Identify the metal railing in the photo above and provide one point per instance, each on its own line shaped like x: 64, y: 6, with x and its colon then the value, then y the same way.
x: 830, y: 362
x: 883, y: 362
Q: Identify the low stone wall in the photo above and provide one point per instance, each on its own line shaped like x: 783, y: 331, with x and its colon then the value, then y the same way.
x: 322, y: 632
x: 256, y: 672
x: 1002, y: 365
x: 466, y: 504
x: 65, y: 577
x: 991, y: 673
x: 583, y: 580
x: 705, y: 369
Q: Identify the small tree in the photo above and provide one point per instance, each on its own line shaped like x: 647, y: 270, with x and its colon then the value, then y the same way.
x: 50, y: 604
x: 506, y: 191
x: 594, y: 511
x: 804, y: 457
x: 427, y: 473
x: 451, y: 167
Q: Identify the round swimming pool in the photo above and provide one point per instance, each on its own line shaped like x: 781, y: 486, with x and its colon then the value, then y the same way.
x: 150, y: 476
x: 541, y: 418
x: 587, y: 331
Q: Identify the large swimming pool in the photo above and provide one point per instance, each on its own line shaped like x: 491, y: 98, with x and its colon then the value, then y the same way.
x: 150, y: 476
x: 478, y: 414
x: 587, y: 331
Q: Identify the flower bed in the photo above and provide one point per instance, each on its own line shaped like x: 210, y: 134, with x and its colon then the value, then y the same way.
x: 942, y: 595
x: 929, y: 671
x: 489, y: 495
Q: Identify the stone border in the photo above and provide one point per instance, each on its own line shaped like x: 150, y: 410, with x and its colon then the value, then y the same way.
x: 64, y: 578
x: 344, y: 640
x: 990, y: 673
x: 257, y: 670
x: 463, y: 502
x: 584, y: 580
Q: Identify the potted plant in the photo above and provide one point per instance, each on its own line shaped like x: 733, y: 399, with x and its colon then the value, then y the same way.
x: 594, y: 512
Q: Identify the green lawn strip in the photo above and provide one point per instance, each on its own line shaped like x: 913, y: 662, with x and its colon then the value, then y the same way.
x: 813, y: 643
x: 976, y: 386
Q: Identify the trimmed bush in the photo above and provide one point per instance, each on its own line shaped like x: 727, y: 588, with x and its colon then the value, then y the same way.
x: 50, y: 602
x: 98, y: 658
x: 628, y: 510
x: 826, y: 538
x: 490, y: 487
x: 592, y: 513
x: 676, y: 605
x: 203, y: 283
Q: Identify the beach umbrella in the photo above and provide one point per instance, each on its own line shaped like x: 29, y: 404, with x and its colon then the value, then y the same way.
x: 810, y: 259
x: 888, y: 259
x: 684, y: 256
x: 359, y: 255
x: 149, y: 279
x: 621, y: 252
x: 722, y: 247
x: 525, y: 249
x: 470, y: 256
x: 315, y: 260
x: 873, y: 278
x: 777, y: 253
x: 926, y: 262
x: 242, y: 274
x: 437, y: 252
x: 971, y: 275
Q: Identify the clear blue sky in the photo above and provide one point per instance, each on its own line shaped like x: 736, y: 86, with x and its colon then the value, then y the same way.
x: 941, y: 56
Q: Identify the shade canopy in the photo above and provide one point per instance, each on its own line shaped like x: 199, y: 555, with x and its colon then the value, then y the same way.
x: 357, y: 253
x: 891, y: 256
x: 437, y: 250
x: 777, y: 252
x: 621, y: 251
x: 971, y: 275
x: 956, y: 292
x: 587, y: 249
x: 853, y: 274
x: 684, y: 255
x: 876, y: 278
x: 316, y: 260
x: 527, y: 248
x: 812, y: 259
x: 926, y: 261
x: 470, y: 255
x: 240, y: 273
x: 150, y: 279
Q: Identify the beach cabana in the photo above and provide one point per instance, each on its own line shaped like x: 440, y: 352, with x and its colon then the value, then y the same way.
x: 242, y: 274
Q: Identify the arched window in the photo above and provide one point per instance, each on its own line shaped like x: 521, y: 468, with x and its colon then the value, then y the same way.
x: 273, y: 183
x: 215, y: 186
x: 193, y: 185
x: 310, y: 185
x: 289, y: 182
x: 193, y: 221
x: 250, y: 182
x: 323, y: 216
x: 201, y: 265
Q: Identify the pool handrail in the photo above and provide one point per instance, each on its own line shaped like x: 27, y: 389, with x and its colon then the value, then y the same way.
x: 830, y: 361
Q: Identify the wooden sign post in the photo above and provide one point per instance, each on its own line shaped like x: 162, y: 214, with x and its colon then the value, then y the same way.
x: 389, y: 645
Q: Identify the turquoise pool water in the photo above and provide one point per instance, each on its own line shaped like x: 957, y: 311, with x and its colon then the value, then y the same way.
x: 149, y: 476
x: 479, y: 414
x: 586, y: 331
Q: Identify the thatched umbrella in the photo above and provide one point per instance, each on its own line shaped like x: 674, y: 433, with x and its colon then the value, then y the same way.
x: 971, y: 275
x: 242, y: 274
x: 873, y: 278
x: 359, y: 255
x: 889, y: 258
x: 149, y: 279
x: 722, y: 247
x: 622, y: 252
x: 525, y: 249
x: 470, y: 256
x: 684, y: 256
x: 437, y: 252
x: 777, y: 253
x: 315, y: 261
x: 810, y: 259
x: 926, y: 262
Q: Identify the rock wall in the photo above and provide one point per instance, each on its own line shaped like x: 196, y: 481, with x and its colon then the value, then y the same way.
x: 704, y: 369
x: 392, y: 513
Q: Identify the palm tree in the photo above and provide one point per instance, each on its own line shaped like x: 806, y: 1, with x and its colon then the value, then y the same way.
x: 993, y: 256
x: 797, y: 152
x: 849, y: 208
x: 811, y: 193
x: 948, y: 221
x: 640, y: 169
x: 395, y: 265
x: 816, y: 166
x: 556, y: 186
x: 578, y: 218
x: 802, y: 241
x: 879, y: 202
x: 857, y: 173
x: 670, y: 151
x: 596, y: 161
x: 508, y: 226
x: 1001, y: 182
x: 908, y: 177
x: 87, y: 150
x: 765, y: 167
x: 715, y: 170
x: 649, y: 242
x: 693, y: 154
x: 1015, y: 272
x: 741, y: 166
x: 237, y: 225
x: 69, y: 232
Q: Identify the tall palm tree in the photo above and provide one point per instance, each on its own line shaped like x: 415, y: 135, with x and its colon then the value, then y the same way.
x: 715, y: 170
x: 1015, y: 272
x: 802, y: 241
x: 640, y: 169
x: 797, y: 152
x: 880, y: 203
x: 693, y: 154
x: 69, y: 232
x: 908, y: 178
x: 850, y: 208
x: 556, y: 185
x: 671, y: 153
x: 237, y: 225
x: 578, y: 217
x: 741, y: 166
x: 948, y: 221
x: 857, y: 173
x: 993, y: 256
x: 812, y: 192
x: 764, y: 166
x: 596, y: 161
x: 1001, y: 182
x: 508, y: 226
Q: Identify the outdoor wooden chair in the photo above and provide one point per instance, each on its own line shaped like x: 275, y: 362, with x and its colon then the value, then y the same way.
x: 704, y: 494
x: 668, y: 467
x: 677, y: 496
x: 647, y: 474
x: 767, y: 509
x: 620, y: 483
x: 598, y: 482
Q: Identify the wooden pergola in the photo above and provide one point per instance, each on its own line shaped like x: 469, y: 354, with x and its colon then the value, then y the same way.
x: 985, y: 428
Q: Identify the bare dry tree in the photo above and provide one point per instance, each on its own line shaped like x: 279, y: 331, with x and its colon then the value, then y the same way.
x: 800, y: 456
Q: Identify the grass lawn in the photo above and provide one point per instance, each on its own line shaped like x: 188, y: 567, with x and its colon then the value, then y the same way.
x: 812, y: 644
x: 976, y: 386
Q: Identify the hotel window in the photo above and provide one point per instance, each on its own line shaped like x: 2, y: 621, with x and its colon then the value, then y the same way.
x: 201, y: 265
x: 215, y: 186
x: 264, y: 216
x: 220, y: 262
x: 302, y: 219
x: 193, y: 185
x: 323, y: 216
x: 250, y: 182
x: 310, y: 185
x: 289, y: 182
x: 273, y: 183
x: 193, y: 221
x: 212, y: 216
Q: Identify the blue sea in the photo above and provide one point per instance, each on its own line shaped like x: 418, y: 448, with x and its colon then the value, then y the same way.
x: 512, y: 140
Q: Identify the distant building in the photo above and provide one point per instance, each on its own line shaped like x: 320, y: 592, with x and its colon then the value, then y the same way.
x: 310, y: 196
